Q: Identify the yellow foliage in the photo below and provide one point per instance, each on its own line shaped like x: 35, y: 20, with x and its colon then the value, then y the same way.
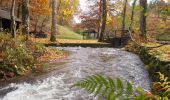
x: 40, y: 7
x: 162, y: 52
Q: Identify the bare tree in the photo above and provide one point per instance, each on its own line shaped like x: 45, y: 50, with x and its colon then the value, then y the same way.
x: 25, y: 16
x: 104, y: 17
x: 13, y: 24
x: 143, y: 4
x: 54, y: 22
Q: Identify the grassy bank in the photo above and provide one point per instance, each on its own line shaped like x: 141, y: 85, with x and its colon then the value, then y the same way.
x: 155, y: 59
x: 67, y: 33
x: 21, y: 56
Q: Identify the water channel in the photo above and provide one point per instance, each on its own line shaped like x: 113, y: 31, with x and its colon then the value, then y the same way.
x: 82, y: 62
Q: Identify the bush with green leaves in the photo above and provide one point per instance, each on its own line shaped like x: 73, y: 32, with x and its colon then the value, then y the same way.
x: 110, y: 89
x: 17, y: 55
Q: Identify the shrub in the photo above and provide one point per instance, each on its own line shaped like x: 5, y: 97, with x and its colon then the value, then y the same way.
x: 18, y: 55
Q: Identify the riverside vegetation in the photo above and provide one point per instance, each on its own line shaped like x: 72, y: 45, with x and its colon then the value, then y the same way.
x: 155, y: 59
x: 19, y: 56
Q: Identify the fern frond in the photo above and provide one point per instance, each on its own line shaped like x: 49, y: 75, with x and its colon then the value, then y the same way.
x: 119, y: 84
x: 106, y: 87
x: 129, y: 89
x: 162, y: 88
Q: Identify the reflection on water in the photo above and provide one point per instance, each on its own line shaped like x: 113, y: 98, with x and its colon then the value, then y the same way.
x: 83, y: 62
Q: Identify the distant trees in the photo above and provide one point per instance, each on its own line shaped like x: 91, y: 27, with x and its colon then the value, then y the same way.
x: 39, y: 14
x: 66, y: 9
x: 92, y: 20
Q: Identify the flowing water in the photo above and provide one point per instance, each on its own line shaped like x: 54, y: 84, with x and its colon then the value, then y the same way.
x: 82, y: 62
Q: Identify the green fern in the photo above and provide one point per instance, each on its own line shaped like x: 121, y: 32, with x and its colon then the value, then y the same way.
x: 106, y: 87
x: 162, y: 88
x: 115, y: 89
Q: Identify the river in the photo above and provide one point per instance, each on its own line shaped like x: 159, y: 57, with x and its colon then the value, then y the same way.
x: 82, y: 62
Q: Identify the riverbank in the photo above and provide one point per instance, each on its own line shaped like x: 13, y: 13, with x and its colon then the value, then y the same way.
x: 47, y: 63
x: 155, y: 59
x: 22, y: 56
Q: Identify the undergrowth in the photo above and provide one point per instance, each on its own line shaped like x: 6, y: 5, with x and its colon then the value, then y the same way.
x: 20, y: 56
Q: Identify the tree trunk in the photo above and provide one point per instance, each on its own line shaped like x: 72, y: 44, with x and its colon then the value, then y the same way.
x: 99, y: 20
x: 13, y: 24
x: 123, y: 22
x: 54, y: 22
x: 124, y: 18
x: 132, y: 15
x: 104, y: 17
x: 25, y: 17
x: 143, y: 4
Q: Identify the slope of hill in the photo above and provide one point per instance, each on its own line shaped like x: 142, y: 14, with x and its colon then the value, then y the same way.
x: 66, y: 33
